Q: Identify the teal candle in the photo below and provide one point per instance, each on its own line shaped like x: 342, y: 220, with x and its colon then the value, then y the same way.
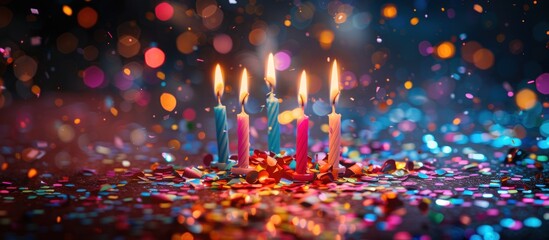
x: 273, y: 125
x: 272, y: 108
x: 222, y: 133
x: 221, y: 130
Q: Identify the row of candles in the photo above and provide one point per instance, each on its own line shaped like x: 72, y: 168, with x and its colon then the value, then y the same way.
x: 272, y: 104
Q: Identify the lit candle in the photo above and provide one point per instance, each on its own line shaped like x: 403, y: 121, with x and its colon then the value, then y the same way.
x: 334, y: 124
x: 302, y: 138
x: 243, y: 129
x: 272, y: 108
x: 221, y: 130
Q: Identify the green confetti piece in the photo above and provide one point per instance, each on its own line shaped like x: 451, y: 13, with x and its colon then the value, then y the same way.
x: 436, y: 217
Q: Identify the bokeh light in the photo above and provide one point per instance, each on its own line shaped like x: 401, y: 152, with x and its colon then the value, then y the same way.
x: 164, y: 11
x: 65, y: 133
x: 214, y: 21
x: 154, y: 57
x: 325, y: 38
x: 361, y: 20
x: 425, y: 48
x: 348, y: 80
x: 25, y: 68
x: 469, y: 49
x: 257, y: 36
x: 67, y: 10
x: 542, y: 83
x: 408, y: 84
x: 222, y: 43
x: 91, y: 53
x: 5, y: 16
x: 206, y: 8
x: 87, y: 17
x: 93, y: 77
x: 414, y: 21
x: 445, y: 50
x: 128, y: 46
x: 168, y: 102
x: 186, y: 42
x: 138, y: 136
x: 389, y: 11
x: 483, y: 59
x: 282, y: 60
x: 526, y: 98
x: 67, y: 43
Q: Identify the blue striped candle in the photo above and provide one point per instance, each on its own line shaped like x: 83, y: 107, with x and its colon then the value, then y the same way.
x: 222, y: 133
x: 273, y: 125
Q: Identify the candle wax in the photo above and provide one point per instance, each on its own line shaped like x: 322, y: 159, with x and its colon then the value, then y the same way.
x: 273, y: 125
x: 243, y: 129
x: 302, y: 140
x: 222, y: 133
x: 335, y: 142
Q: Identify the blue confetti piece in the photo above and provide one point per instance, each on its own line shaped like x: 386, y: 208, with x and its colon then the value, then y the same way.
x: 507, y: 222
x: 440, y: 172
x: 532, y: 222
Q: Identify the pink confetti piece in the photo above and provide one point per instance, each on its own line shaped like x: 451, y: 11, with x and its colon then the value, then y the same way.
x: 34, y: 11
x: 468, y: 95
x: 200, y: 60
x: 35, y: 41
x: 531, y: 81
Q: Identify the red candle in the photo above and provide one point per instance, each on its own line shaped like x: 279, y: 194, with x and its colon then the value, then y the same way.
x: 302, y: 138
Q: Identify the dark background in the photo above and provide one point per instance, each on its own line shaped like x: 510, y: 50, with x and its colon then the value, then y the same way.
x: 439, y: 88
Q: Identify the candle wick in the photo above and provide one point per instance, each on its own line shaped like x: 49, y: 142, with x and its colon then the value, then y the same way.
x: 302, y: 102
x: 218, y: 98
x: 334, y: 101
x: 244, y: 100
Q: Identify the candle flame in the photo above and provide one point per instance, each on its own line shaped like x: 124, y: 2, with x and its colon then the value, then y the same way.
x: 244, y: 87
x: 334, y: 84
x: 218, y: 83
x: 302, y: 95
x: 270, y: 76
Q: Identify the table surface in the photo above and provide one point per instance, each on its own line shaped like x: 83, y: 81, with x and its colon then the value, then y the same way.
x: 109, y: 189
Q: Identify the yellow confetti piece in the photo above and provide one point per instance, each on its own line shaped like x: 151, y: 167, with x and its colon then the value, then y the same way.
x: 114, y: 111
x: 32, y: 173
x: 168, y: 101
x: 445, y: 50
x: 478, y: 8
x: 526, y: 98
x: 67, y: 10
x: 408, y: 84
x: 414, y: 21
x: 161, y: 75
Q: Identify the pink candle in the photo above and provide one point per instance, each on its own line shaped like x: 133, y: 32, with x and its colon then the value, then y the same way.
x: 301, y: 144
x: 335, y: 124
x: 243, y: 129
x: 302, y: 138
